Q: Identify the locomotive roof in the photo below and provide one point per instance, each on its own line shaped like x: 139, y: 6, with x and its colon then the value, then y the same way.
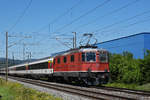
x: 79, y: 50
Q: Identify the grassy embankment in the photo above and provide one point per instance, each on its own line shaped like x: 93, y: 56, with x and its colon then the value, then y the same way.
x: 145, y: 87
x: 16, y: 91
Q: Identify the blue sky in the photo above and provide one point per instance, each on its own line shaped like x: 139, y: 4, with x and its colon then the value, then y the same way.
x: 81, y: 17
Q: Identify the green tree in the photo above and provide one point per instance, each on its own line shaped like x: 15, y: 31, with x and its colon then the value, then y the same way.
x: 124, y: 68
x: 144, y: 65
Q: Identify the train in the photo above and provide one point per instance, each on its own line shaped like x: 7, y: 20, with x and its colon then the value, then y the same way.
x: 84, y: 65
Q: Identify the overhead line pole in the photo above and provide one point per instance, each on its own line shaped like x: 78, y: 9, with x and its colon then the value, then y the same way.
x: 24, y: 51
x: 6, y: 67
x: 13, y: 58
x: 74, y: 40
x: 6, y: 56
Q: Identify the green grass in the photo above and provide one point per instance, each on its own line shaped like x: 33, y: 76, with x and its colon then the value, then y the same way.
x: 16, y: 91
x: 145, y: 87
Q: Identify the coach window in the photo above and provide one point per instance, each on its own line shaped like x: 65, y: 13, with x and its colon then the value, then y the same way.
x: 83, y: 56
x: 58, y: 60
x: 65, y: 59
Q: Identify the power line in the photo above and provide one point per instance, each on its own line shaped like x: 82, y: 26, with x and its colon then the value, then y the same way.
x: 83, y: 15
x: 21, y: 16
x: 108, y: 14
x: 124, y: 20
x: 138, y: 22
x: 60, y: 16
x: 88, y: 12
x: 135, y: 23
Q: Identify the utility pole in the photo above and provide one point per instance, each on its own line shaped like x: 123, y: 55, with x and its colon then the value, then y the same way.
x: 24, y: 51
x: 7, y: 52
x: 29, y: 56
x: 6, y: 68
x: 13, y: 58
x: 6, y: 56
x: 74, y: 40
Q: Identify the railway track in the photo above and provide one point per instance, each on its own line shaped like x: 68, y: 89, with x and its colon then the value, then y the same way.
x: 130, y: 91
x: 92, y: 93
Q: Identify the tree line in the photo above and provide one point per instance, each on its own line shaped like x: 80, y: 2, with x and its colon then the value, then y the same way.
x: 126, y: 69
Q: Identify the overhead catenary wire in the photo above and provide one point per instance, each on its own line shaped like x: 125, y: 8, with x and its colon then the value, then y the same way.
x: 21, y: 16
x: 83, y: 15
x: 138, y: 22
x: 124, y: 20
x: 132, y: 24
x: 107, y: 14
x: 60, y: 16
x: 121, y: 21
x: 127, y: 26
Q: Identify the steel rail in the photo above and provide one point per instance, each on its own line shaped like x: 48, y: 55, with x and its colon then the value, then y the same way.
x: 74, y: 90
x: 131, y: 91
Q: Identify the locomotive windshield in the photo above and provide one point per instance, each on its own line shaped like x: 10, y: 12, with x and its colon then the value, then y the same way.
x: 89, y: 56
x: 103, y: 56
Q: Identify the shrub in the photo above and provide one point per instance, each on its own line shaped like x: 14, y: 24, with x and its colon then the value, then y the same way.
x: 125, y: 69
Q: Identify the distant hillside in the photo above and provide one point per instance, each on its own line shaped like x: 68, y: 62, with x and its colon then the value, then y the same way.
x: 12, y: 62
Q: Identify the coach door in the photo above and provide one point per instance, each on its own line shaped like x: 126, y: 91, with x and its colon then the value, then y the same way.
x: 50, y: 64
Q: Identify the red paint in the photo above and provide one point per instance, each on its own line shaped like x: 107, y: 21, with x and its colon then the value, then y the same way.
x: 78, y: 65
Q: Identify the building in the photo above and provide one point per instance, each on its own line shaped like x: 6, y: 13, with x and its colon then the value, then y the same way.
x: 137, y: 44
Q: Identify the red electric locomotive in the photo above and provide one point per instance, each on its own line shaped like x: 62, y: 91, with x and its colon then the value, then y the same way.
x: 87, y: 64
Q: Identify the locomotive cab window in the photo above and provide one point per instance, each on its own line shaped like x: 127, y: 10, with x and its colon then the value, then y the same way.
x: 90, y: 56
x: 103, y: 57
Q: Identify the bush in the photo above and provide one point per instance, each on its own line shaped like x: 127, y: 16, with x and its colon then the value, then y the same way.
x: 125, y: 69
x: 144, y: 65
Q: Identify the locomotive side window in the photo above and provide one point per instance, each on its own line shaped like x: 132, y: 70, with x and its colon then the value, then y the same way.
x: 65, y: 59
x: 58, y: 60
x: 103, y: 57
x: 72, y: 58
x: 90, y: 56
x: 83, y: 56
